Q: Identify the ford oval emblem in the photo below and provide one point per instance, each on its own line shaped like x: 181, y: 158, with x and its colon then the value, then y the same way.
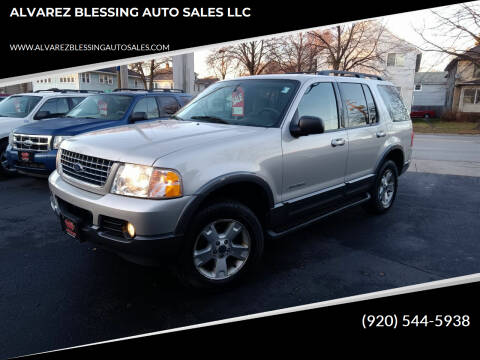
x: 78, y: 167
x: 28, y: 143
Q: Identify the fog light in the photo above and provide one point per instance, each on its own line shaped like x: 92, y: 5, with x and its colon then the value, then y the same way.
x: 131, y: 230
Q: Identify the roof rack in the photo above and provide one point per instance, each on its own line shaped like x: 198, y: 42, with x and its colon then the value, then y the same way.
x: 340, y: 73
x: 69, y: 91
x: 349, y: 73
x: 153, y: 90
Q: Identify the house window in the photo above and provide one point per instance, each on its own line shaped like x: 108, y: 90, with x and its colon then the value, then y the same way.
x: 471, y: 96
x: 476, y: 71
x: 418, y: 87
x: 136, y: 83
x: 106, y: 79
x: 395, y: 60
x: 85, y: 78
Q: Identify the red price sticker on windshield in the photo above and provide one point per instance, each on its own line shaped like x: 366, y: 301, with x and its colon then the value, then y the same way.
x: 238, y: 102
x: 102, y: 108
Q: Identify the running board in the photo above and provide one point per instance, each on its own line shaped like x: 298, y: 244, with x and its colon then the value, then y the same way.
x: 274, y: 234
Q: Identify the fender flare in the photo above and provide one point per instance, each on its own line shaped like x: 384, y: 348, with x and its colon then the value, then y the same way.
x: 215, y: 184
x: 387, y: 151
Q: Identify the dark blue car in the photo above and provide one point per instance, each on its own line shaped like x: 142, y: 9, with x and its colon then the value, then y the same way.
x: 33, y: 148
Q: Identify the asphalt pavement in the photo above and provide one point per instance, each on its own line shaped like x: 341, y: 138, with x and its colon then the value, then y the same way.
x: 55, y: 292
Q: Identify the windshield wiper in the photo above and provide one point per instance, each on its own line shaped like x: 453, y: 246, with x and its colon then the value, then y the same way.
x: 210, y: 119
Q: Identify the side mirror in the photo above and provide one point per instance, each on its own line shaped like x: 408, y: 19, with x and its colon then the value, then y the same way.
x: 307, y: 125
x: 136, y: 116
x: 42, y: 115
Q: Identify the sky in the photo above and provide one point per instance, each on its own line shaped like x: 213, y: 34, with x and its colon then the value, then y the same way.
x: 402, y: 25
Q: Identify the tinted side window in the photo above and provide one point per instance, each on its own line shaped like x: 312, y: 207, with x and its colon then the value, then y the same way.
x: 149, y: 106
x: 184, y: 100
x: 320, y: 101
x: 55, y: 106
x: 354, y: 99
x: 168, y: 105
x: 394, y: 103
x: 372, y: 110
x: 76, y: 101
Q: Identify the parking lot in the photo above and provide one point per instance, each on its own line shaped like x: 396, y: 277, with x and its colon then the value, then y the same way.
x: 55, y: 292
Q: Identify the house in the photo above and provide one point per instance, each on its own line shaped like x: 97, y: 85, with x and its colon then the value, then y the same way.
x: 400, y: 64
x: 163, y: 79
x: 430, y: 91
x: 16, y: 89
x: 202, y: 83
x: 102, y: 80
x: 463, y: 83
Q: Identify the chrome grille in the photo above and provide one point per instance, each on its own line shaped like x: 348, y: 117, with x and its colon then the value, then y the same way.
x: 89, y: 169
x: 31, y: 142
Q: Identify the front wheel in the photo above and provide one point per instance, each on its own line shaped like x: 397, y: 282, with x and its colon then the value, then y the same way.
x: 384, y: 190
x: 225, y: 242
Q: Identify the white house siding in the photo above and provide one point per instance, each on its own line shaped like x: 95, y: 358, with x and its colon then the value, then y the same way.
x: 75, y: 82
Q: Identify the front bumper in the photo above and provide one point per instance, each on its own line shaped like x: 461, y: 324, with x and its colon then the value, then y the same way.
x: 43, y: 162
x: 155, y: 221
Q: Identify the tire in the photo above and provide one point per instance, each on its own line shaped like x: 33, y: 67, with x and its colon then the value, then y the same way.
x: 223, y: 244
x: 384, y: 191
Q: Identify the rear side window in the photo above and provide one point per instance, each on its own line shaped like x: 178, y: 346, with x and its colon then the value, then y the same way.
x: 184, y: 100
x: 76, y: 101
x: 149, y: 106
x: 319, y: 100
x: 56, y: 106
x: 356, y: 104
x: 372, y: 110
x: 168, y: 105
x: 394, y: 103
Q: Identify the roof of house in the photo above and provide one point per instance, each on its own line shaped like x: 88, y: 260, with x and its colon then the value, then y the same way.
x: 432, y: 77
x: 473, y: 52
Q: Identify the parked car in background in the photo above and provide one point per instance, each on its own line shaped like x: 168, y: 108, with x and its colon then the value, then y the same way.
x: 426, y: 114
x: 33, y: 148
x: 20, y: 109
x: 248, y: 157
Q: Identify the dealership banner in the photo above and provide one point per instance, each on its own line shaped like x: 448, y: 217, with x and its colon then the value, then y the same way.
x: 137, y: 143
x: 45, y: 36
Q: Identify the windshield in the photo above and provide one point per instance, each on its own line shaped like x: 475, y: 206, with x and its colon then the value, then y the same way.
x: 250, y: 102
x: 18, y: 106
x: 103, y: 107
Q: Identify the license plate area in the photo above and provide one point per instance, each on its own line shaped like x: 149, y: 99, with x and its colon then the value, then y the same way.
x: 25, y: 156
x: 70, y: 227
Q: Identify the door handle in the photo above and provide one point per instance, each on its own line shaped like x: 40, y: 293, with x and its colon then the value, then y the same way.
x: 381, y: 133
x: 338, y: 142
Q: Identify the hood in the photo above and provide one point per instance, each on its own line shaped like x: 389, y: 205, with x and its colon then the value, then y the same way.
x: 146, y: 142
x: 7, y: 124
x: 65, y: 126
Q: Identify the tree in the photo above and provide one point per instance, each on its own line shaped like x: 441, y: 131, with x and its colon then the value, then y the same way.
x: 219, y: 62
x: 295, y: 53
x: 456, y: 32
x: 148, y: 69
x: 353, y: 46
x: 251, y: 57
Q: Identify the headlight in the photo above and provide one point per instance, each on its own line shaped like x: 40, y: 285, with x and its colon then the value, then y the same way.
x: 146, y: 182
x: 10, y: 139
x: 57, y: 140
x: 58, y: 159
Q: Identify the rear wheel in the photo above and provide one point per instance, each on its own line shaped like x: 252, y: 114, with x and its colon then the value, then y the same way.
x: 224, y: 243
x: 384, y: 190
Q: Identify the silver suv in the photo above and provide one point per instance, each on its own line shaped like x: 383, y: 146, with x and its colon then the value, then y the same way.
x: 249, y: 158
